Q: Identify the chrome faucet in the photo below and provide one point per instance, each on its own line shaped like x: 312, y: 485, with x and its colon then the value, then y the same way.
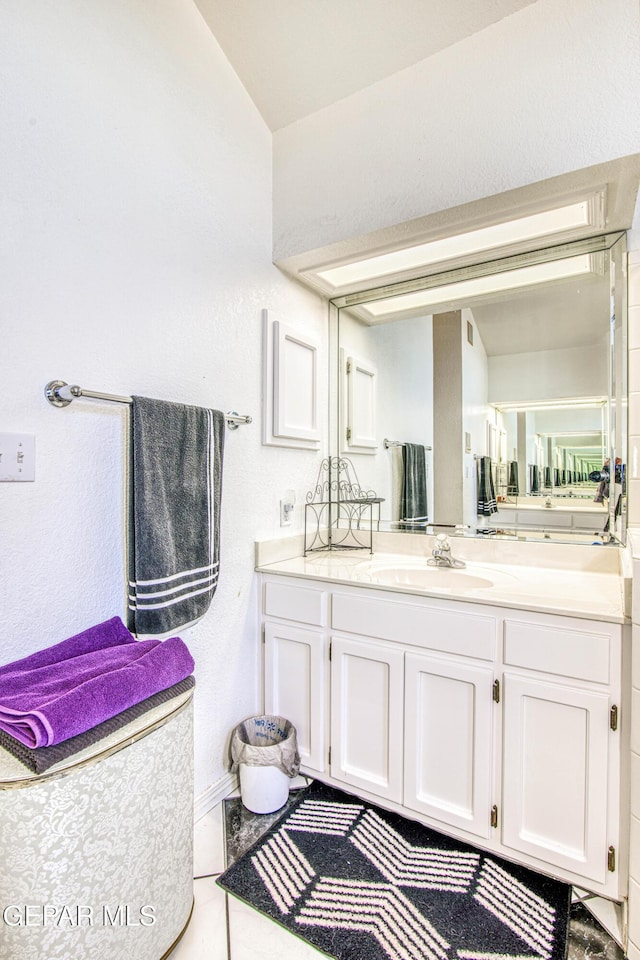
x: 441, y: 554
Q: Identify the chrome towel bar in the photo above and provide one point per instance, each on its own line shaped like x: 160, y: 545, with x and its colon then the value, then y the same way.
x: 53, y: 393
x: 396, y: 443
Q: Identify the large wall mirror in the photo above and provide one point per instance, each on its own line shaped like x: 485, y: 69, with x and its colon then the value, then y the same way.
x: 491, y: 400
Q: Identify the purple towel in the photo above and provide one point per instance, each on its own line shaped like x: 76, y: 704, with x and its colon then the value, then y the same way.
x: 67, y: 689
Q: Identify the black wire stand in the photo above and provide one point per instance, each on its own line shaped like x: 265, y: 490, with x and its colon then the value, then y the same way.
x: 339, y: 514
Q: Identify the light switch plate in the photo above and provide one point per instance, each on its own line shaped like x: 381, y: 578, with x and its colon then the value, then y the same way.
x: 17, y: 457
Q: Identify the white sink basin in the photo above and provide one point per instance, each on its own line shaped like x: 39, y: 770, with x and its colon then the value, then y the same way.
x: 419, y: 575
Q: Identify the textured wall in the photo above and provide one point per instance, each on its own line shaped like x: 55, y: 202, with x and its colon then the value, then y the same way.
x: 475, y: 413
x: 402, y: 352
x: 549, y: 374
x: 135, y: 258
x: 448, y: 475
x: 550, y: 89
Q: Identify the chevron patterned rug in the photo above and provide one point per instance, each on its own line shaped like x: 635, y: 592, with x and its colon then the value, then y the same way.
x: 360, y: 883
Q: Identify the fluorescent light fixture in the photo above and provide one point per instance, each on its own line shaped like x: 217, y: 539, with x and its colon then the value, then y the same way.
x: 536, y: 226
x: 480, y: 286
x: 570, y: 403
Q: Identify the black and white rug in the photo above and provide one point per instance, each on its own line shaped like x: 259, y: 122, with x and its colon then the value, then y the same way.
x: 360, y: 883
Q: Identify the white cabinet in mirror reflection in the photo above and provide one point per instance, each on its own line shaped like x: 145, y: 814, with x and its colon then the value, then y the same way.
x: 360, y: 383
x: 290, y: 385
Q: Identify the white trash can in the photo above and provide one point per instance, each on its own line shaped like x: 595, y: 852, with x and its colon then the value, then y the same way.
x: 265, y: 751
x: 263, y: 789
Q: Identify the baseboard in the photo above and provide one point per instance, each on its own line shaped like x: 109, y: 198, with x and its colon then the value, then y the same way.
x: 611, y: 915
x: 227, y: 785
x: 214, y: 795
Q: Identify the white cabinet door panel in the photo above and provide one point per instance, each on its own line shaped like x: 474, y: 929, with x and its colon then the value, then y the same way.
x: 556, y: 748
x: 448, y: 737
x: 295, y: 405
x: 295, y: 686
x: 361, y: 406
x: 366, y: 716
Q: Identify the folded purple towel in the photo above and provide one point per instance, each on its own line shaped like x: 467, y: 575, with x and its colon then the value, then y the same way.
x: 67, y: 689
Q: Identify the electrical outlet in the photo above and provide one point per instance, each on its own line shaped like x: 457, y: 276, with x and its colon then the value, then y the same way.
x: 286, y: 508
x: 17, y: 457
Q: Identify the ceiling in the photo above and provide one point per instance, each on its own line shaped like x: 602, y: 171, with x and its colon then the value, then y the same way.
x: 554, y: 317
x: 297, y: 56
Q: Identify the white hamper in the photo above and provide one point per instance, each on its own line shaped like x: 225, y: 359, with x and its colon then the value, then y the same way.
x: 96, y: 854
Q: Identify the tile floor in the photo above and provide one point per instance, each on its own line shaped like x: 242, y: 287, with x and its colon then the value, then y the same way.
x: 222, y: 928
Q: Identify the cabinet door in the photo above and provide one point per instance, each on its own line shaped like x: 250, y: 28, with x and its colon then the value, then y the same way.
x: 448, y: 736
x: 556, y: 751
x: 366, y: 716
x: 295, y: 686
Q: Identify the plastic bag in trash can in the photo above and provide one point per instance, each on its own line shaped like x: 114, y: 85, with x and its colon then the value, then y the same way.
x: 266, y: 742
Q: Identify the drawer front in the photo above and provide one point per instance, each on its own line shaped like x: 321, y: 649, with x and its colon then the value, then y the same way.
x: 292, y: 602
x: 543, y: 518
x: 469, y: 635
x: 569, y: 652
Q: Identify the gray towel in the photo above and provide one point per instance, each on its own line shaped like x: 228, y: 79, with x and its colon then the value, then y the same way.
x: 486, y: 491
x: 174, y: 547
x: 413, y: 503
x: 534, y: 478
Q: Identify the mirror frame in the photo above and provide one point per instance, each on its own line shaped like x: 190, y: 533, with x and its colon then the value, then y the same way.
x: 616, y: 410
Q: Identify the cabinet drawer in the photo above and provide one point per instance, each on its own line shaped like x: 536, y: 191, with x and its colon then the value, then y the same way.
x: 582, y: 654
x: 292, y: 602
x: 543, y: 518
x: 469, y: 635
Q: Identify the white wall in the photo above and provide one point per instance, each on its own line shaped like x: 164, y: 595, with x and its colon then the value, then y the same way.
x: 136, y: 258
x: 358, y: 340
x: 550, y: 89
x: 475, y: 412
x: 549, y: 375
x: 405, y: 351
x: 402, y: 352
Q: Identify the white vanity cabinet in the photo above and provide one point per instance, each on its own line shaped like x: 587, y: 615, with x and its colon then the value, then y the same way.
x: 561, y: 742
x: 295, y: 664
x: 499, y: 726
x: 367, y: 695
x: 567, y: 516
x: 448, y: 723
x: 556, y: 757
x: 294, y: 683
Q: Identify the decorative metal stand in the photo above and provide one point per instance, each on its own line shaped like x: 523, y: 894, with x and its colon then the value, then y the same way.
x: 339, y: 514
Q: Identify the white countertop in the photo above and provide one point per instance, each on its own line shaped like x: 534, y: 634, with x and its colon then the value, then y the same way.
x: 592, y: 593
x: 558, y: 506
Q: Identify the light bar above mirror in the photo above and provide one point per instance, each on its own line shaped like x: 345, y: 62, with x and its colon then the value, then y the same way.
x: 477, y: 287
x: 543, y: 226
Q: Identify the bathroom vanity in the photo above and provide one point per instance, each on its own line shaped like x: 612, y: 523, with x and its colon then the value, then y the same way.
x: 578, y: 516
x: 490, y: 703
